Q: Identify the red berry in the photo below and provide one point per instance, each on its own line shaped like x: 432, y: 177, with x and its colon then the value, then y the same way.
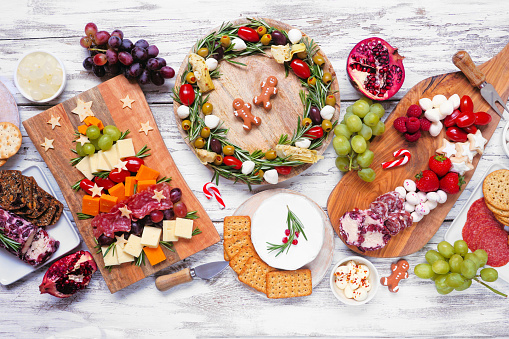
x: 440, y: 164
x: 427, y: 181
x: 412, y: 137
x: 297, y: 234
x: 285, y: 240
x: 451, y: 183
x: 413, y: 125
x: 295, y: 242
x: 414, y: 111
x: 287, y: 232
x: 400, y: 124
x: 425, y: 124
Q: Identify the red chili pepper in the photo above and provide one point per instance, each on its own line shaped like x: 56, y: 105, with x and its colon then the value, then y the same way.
x: 118, y: 175
x: 86, y: 185
x: 133, y: 164
x: 283, y: 170
x: 456, y: 134
x: 466, y: 104
x: 104, y: 183
x: 300, y: 68
x: 232, y: 161
x: 465, y: 119
x: 248, y: 34
x: 186, y: 94
x: 450, y: 120
x: 482, y: 118
x: 314, y: 133
x: 470, y: 129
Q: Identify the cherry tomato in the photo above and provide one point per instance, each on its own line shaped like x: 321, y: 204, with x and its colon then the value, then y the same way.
x: 470, y: 129
x: 456, y: 134
x: 232, y: 161
x: 283, y: 170
x: 118, y: 175
x: 104, y: 183
x: 186, y: 94
x: 300, y: 68
x: 315, y: 132
x: 248, y: 34
x: 465, y: 119
x: 482, y: 118
x: 133, y: 164
x: 450, y: 120
x: 86, y: 185
x: 466, y: 104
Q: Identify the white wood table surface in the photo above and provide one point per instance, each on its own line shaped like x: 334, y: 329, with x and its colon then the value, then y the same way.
x: 427, y: 34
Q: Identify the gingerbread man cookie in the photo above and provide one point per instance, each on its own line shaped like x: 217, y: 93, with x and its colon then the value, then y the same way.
x: 243, y: 111
x: 268, y: 90
x: 399, y: 272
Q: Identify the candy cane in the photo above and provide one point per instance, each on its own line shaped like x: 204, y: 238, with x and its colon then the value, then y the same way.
x: 210, y: 190
x: 400, y: 162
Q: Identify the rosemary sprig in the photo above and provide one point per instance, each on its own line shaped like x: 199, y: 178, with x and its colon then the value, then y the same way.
x: 196, y: 231
x: 164, y: 179
x: 75, y: 161
x: 111, y: 247
x: 101, y: 174
x: 124, y: 134
x: 143, y: 152
x: 167, y: 244
x: 76, y: 186
x: 140, y: 260
x: 9, y: 243
x: 192, y: 215
x: 294, y: 225
x: 83, y: 216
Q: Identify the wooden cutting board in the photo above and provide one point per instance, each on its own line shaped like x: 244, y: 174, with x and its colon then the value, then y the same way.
x: 352, y: 192
x: 108, y: 108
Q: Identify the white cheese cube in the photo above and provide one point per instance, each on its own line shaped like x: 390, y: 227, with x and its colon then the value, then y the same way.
x: 151, y: 236
x: 111, y: 156
x: 123, y: 256
x: 125, y: 148
x: 184, y: 228
x: 111, y: 258
x: 102, y: 164
x: 169, y: 230
x: 84, y: 167
x: 133, y: 246
x: 94, y: 160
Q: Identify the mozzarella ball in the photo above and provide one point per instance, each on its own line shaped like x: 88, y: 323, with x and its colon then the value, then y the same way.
x: 438, y: 100
x: 327, y: 112
x: 239, y: 44
x: 270, y: 176
x: 445, y: 109
x: 435, y: 128
x: 425, y: 104
x: 247, y: 167
x: 455, y: 100
x: 294, y: 35
x: 183, y: 111
x: 303, y: 143
x: 432, y: 115
x: 212, y: 121
x: 211, y: 63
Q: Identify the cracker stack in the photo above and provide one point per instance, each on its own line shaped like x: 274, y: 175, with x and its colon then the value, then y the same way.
x: 10, y: 141
x: 252, y: 271
x: 496, y: 194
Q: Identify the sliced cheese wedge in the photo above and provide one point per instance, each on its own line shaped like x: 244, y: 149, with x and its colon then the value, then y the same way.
x: 111, y: 156
x: 125, y: 148
x: 102, y: 163
x: 84, y: 167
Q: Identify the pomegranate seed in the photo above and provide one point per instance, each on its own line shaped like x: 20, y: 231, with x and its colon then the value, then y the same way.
x: 295, y: 242
x: 285, y: 240
x: 287, y: 232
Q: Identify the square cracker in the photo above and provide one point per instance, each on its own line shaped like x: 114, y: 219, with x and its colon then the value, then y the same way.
x: 236, y: 224
x: 254, y: 274
x: 45, y: 218
x: 239, y: 260
x: 28, y: 191
x: 288, y: 284
x: 11, y: 190
x: 42, y: 201
x: 58, y: 213
x: 233, y: 245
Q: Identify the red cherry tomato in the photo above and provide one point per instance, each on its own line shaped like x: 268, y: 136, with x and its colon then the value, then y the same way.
x: 133, y: 164
x: 300, y: 68
x: 104, y: 183
x: 470, y: 129
x: 248, y: 34
x: 283, y: 170
x: 466, y: 104
x: 118, y: 175
x: 232, y: 161
x: 465, y: 119
x: 456, y: 134
x: 186, y: 94
x: 450, y: 120
x: 314, y: 133
x: 482, y: 118
x: 86, y: 185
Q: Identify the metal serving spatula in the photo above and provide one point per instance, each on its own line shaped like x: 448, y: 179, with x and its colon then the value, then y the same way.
x: 205, y: 271
x: 463, y: 61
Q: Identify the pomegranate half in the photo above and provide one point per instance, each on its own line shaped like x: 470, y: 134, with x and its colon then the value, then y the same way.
x: 375, y: 69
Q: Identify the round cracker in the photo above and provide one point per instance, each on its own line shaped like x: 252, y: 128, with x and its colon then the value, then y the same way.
x: 2, y: 162
x: 497, y: 211
x: 502, y: 220
x: 496, y: 188
x: 10, y: 140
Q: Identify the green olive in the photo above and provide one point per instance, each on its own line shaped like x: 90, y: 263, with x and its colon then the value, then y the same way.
x: 326, y: 125
x: 270, y: 155
x: 266, y: 39
x: 205, y: 132
x: 199, y: 142
x: 330, y: 100
x: 302, y: 55
x: 218, y: 160
x: 259, y: 173
x: 186, y: 125
x: 225, y: 41
x: 228, y: 150
x: 190, y: 78
x: 318, y: 59
x: 326, y: 77
x: 261, y: 30
x: 306, y: 122
x: 311, y: 81
x: 203, y: 52
x: 207, y: 108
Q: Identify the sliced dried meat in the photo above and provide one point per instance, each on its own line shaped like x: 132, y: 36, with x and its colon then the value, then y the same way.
x: 393, y: 201
x: 378, y: 210
x: 103, y: 224
x: 351, y: 227
x: 42, y: 247
x: 141, y: 204
x: 478, y: 207
x: 494, y: 242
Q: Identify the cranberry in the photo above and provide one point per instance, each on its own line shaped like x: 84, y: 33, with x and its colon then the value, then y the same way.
x: 297, y: 234
x: 287, y: 232
x: 295, y: 242
x: 285, y: 240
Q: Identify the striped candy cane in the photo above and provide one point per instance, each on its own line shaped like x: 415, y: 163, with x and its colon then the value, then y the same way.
x: 210, y: 190
x: 400, y: 162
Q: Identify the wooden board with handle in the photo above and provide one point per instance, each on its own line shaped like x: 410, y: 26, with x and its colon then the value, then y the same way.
x: 108, y: 108
x: 351, y: 192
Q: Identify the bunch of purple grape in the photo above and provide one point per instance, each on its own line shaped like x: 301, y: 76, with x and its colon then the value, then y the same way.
x: 111, y: 53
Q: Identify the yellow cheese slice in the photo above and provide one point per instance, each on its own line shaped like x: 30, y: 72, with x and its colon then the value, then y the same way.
x: 84, y: 167
x: 169, y: 230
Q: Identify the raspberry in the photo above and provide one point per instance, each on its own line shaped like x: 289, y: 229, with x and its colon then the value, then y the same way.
x: 425, y: 124
x: 400, y: 124
x: 414, y: 111
x: 413, y: 137
x: 413, y: 125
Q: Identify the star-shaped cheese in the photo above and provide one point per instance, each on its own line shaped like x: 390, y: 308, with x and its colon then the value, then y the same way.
x: 83, y: 139
x: 461, y: 165
x: 463, y: 149
x: 126, y: 212
x: 54, y: 121
x: 126, y: 102
x: 47, y: 144
x: 477, y: 142
x: 83, y: 109
x: 145, y: 127
x: 121, y: 165
x: 96, y: 190
x: 447, y: 148
x: 158, y: 195
x: 121, y: 241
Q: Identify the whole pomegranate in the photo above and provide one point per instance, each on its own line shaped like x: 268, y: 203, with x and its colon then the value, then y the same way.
x: 69, y: 275
x: 375, y: 68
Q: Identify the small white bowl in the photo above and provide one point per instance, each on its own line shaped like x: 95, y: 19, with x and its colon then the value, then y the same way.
x: 374, y: 279
x: 24, y: 93
x: 505, y: 139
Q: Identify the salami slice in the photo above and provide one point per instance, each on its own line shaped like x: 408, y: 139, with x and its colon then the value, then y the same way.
x: 141, y: 204
x: 378, y: 210
x: 390, y: 200
x: 494, y: 242
x: 478, y: 207
x: 103, y: 224
x: 394, y: 224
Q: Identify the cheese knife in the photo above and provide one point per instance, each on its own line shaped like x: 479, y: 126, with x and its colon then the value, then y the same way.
x: 205, y: 271
x: 477, y: 78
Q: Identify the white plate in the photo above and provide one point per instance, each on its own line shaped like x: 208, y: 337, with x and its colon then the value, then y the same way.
x: 505, y: 142
x: 454, y: 231
x: 12, y: 268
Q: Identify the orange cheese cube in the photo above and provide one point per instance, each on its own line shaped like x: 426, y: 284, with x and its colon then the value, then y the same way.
x: 154, y: 255
x: 90, y: 205
x: 118, y: 191
x: 82, y: 129
x: 144, y: 184
x: 89, y: 121
x: 107, y: 202
x: 129, y: 186
x: 146, y: 173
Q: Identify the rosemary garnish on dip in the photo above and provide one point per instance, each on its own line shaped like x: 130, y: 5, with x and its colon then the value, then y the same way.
x: 8, y: 243
x: 295, y: 228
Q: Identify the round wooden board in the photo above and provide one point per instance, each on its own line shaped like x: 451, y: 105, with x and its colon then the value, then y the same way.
x: 244, y: 82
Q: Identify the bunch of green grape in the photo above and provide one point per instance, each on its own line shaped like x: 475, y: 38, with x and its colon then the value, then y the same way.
x: 352, y: 137
x: 452, y: 267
